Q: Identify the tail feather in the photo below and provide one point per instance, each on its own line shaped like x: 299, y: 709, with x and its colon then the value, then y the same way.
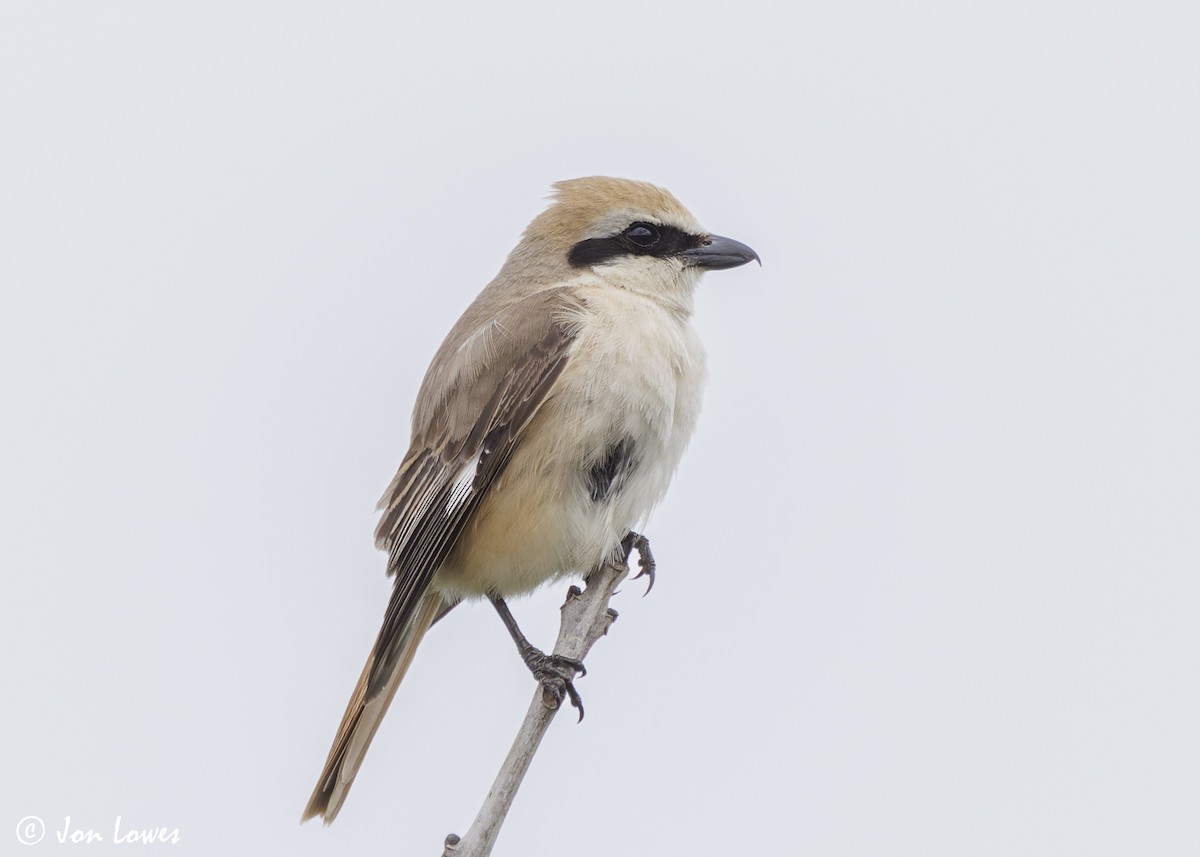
x: 363, y: 717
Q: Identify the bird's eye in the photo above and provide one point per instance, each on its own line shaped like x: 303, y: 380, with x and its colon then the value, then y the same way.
x: 643, y: 234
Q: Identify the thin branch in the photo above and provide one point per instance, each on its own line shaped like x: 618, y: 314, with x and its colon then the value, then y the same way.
x: 585, y: 619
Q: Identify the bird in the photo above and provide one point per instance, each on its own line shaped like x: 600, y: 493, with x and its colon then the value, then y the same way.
x: 548, y: 425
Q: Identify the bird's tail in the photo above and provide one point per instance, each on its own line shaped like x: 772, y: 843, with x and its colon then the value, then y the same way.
x: 363, y: 715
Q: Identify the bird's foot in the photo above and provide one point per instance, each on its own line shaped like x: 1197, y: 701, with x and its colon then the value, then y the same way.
x: 636, y: 541
x: 556, y: 674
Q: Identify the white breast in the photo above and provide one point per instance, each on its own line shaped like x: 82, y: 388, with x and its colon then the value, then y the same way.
x: 640, y: 374
x: 636, y: 371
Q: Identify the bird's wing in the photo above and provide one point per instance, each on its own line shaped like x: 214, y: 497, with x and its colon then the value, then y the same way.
x: 483, y: 387
x: 507, y: 369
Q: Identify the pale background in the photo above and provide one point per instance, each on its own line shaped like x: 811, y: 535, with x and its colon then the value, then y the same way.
x: 929, y: 574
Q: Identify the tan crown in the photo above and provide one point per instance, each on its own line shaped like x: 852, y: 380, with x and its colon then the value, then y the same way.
x: 597, y: 206
x: 592, y: 207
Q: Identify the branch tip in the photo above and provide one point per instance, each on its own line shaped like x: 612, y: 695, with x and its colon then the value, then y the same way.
x: 585, y: 617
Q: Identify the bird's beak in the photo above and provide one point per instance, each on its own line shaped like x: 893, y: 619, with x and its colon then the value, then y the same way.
x: 718, y: 252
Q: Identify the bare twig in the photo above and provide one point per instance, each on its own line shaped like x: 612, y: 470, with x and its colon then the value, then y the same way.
x: 585, y: 619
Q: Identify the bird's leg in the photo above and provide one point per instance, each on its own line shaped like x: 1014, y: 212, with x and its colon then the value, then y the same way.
x: 636, y: 541
x: 555, y: 673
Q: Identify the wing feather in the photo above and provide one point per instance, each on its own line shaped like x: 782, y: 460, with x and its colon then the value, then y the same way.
x: 431, y: 501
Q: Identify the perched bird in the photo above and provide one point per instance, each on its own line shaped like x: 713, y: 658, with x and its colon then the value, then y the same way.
x: 548, y: 425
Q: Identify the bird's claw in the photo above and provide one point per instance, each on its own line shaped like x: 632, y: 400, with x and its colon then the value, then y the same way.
x: 556, y: 674
x: 645, y: 560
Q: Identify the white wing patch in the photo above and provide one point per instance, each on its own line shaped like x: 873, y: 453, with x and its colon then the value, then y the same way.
x: 462, y: 485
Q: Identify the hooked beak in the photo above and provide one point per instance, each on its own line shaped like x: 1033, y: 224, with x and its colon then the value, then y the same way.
x: 718, y: 252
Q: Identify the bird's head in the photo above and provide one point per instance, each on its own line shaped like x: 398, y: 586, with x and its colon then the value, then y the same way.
x: 631, y: 234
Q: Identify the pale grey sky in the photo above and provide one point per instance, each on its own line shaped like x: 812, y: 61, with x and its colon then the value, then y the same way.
x: 929, y: 574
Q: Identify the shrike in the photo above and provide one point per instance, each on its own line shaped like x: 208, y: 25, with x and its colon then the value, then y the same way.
x: 548, y: 425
